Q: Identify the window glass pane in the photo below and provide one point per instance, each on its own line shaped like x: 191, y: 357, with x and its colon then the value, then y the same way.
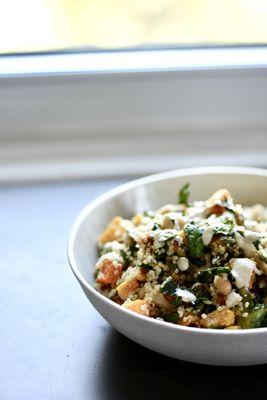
x: 44, y: 25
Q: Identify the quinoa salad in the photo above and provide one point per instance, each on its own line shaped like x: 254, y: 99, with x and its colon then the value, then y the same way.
x: 198, y: 264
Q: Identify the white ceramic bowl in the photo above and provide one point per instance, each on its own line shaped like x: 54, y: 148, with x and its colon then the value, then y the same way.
x: 217, y: 347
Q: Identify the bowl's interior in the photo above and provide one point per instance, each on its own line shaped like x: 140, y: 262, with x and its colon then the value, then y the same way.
x: 246, y: 186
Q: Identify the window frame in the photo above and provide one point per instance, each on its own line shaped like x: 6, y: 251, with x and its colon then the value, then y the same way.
x: 83, y: 115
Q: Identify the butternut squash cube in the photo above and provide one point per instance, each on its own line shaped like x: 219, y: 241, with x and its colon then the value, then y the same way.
x: 139, y: 306
x: 125, y: 288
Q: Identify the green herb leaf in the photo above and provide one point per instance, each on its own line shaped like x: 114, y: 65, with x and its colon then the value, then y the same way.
x: 173, y: 318
x: 257, y: 318
x: 261, y: 251
x: 161, y: 257
x: 224, y: 227
x: 204, y: 302
x: 164, y: 234
x: 257, y: 244
x: 125, y: 258
x: 247, y: 298
x: 184, y: 194
x: 155, y: 227
x: 194, y: 237
x: 147, y: 267
x: 261, y: 295
x: 176, y: 302
x: 229, y: 207
x: 169, y: 286
x: 207, y: 275
x: 149, y: 214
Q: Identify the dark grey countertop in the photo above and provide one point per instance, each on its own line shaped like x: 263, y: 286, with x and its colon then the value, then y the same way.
x: 53, y: 344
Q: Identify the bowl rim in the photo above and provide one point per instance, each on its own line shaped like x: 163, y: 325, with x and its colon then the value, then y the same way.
x: 133, y: 184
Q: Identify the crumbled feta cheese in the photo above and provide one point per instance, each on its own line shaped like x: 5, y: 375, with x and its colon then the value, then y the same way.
x: 183, y: 263
x: 114, y: 246
x: 207, y: 235
x: 196, y: 210
x: 233, y: 299
x: 180, y: 311
x: 245, y: 244
x: 170, y: 220
x: 160, y: 237
x: 242, y: 269
x: 258, y: 271
x: 251, y: 235
x: 112, y: 256
x: 112, y: 293
x: 186, y: 296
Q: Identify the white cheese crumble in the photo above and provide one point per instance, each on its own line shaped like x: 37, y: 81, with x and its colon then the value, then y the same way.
x: 207, y: 235
x: 183, y: 263
x: 139, y: 234
x: 130, y: 273
x: 257, y: 271
x: 171, y: 219
x: 160, y: 236
x: 233, y: 299
x: 186, y: 296
x: 196, y: 210
x: 242, y: 269
x: 114, y: 246
x: 251, y: 235
x: 112, y: 256
x: 245, y: 243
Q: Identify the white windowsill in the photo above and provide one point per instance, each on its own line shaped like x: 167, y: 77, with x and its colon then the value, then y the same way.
x: 108, y: 114
x: 133, y: 61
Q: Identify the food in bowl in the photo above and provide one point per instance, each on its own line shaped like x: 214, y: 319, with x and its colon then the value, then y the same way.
x: 198, y: 264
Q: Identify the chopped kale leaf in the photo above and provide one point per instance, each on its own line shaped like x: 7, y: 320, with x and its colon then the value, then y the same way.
x: 257, y: 318
x: 172, y: 318
x: 166, y: 234
x: 247, y: 297
x: 126, y: 260
x: 207, y: 275
x: 160, y: 257
x: 155, y: 227
x: 204, y: 302
x: 229, y: 207
x: 147, y: 267
x: 225, y: 227
x: 169, y: 286
x: 261, y: 295
x: 176, y: 302
x: 193, y: 235
x: 257, y: 244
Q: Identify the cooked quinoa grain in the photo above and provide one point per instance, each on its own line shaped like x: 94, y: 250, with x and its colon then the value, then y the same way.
x: 201, y: 263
